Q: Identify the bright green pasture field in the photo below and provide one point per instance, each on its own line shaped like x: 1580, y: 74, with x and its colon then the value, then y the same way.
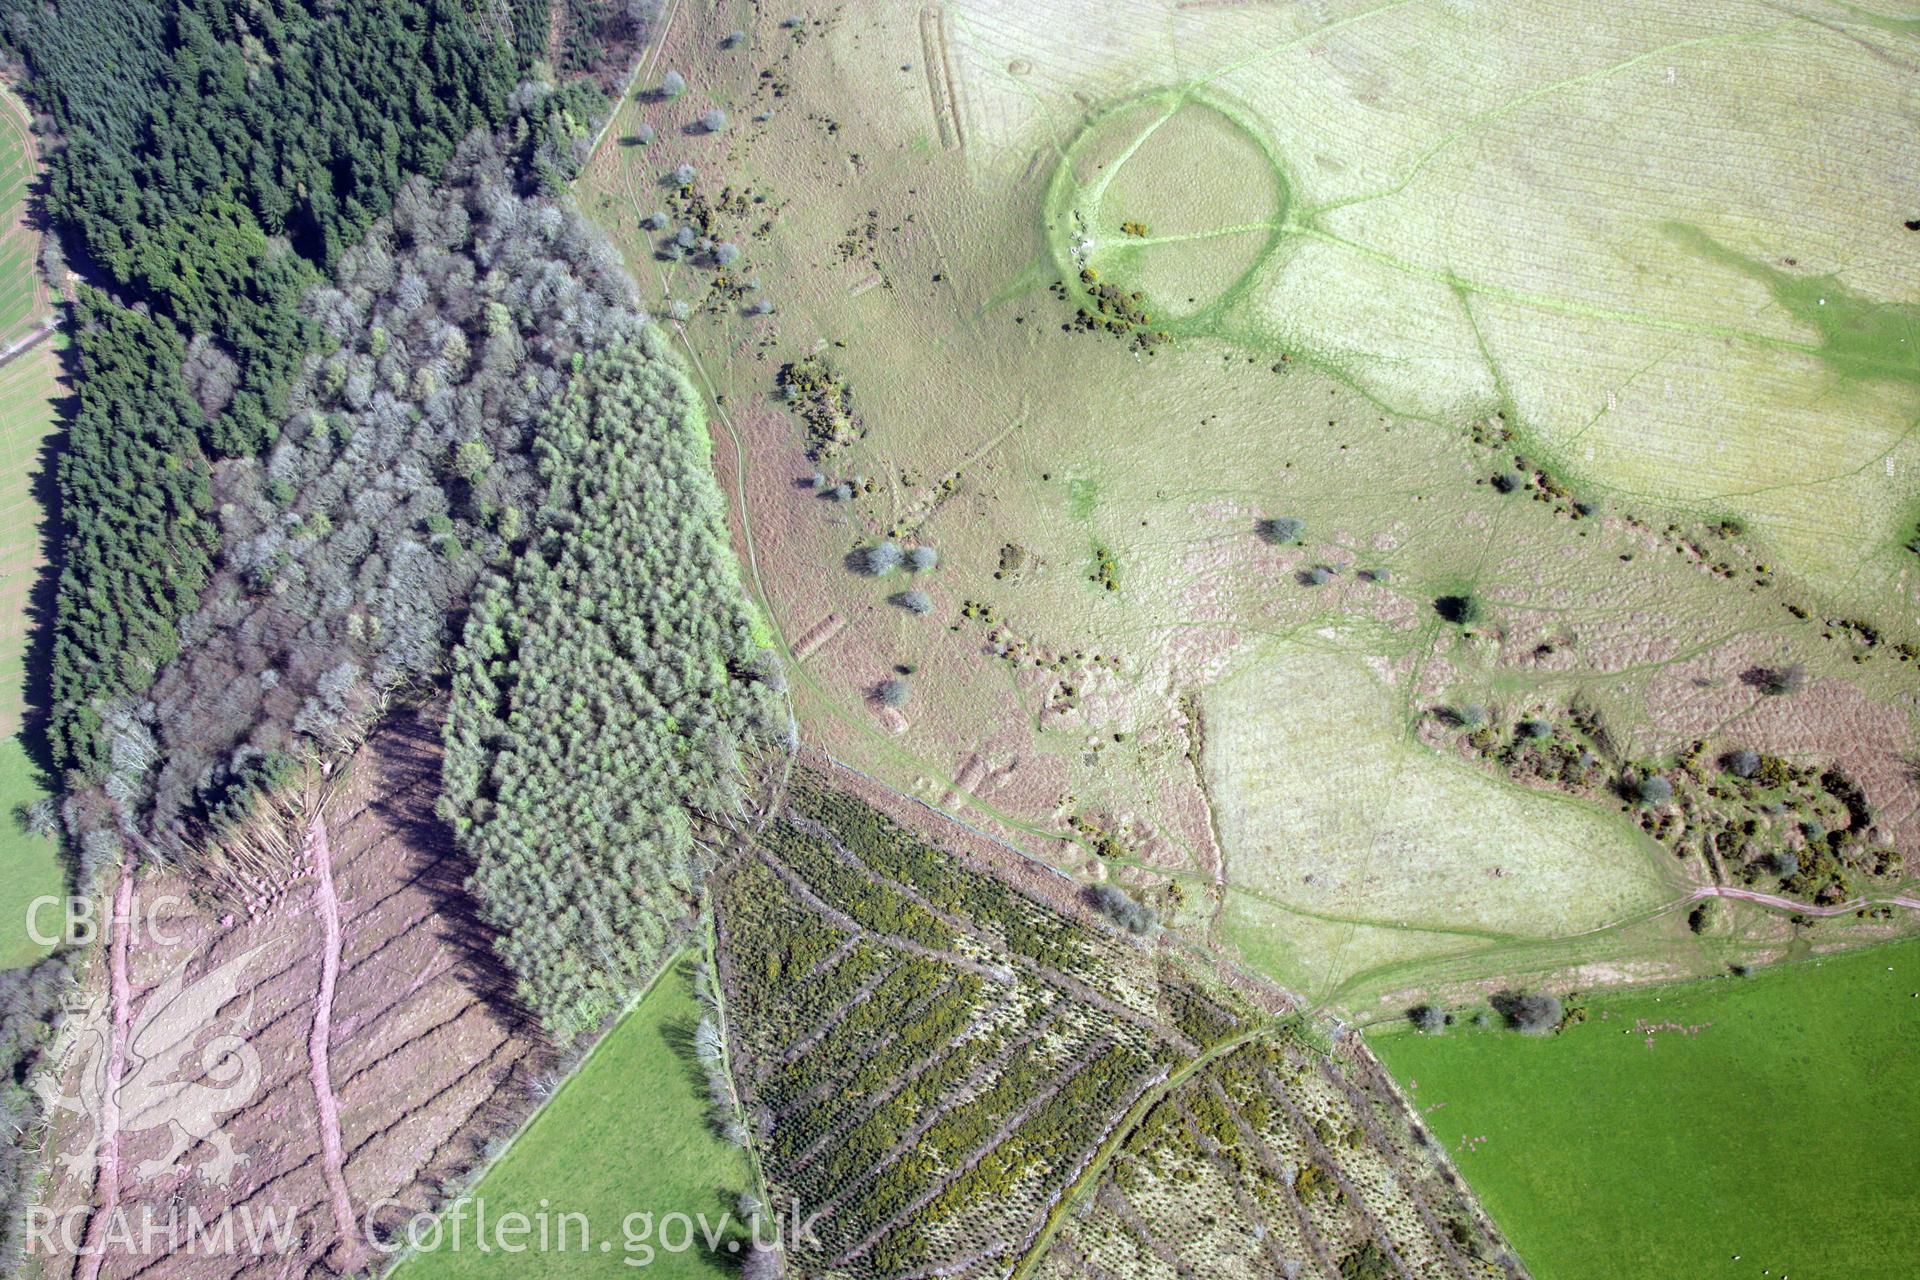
x: 627, y: 1135
x: 1778, y: 1135
x: 29, y: 865
x: 18, y: 244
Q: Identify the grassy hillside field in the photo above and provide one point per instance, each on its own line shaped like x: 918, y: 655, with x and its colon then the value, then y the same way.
x: 29, y: 383
x: 627, y: 1135
x: 23, y: 294
x: 1450, y: 292
x: 1724, y: 1128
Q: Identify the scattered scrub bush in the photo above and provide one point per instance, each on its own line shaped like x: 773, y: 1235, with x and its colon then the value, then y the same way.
x: 1778, y: 682
x: 880, y: 559
x: 1121, y: 907
x: 1531, y: 1012
x: 1281, y: 530
x: 1468, y: 715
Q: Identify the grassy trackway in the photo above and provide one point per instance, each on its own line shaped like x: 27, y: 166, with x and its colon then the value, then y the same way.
x: 1772, y: 1118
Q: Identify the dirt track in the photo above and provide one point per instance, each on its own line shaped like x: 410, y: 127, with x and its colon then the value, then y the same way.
x: 368, y: 1000
x: 1780, y: 903
x: 107, y: 1180
x: 326, y: 1105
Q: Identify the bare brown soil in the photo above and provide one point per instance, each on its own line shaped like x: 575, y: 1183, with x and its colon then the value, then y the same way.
x: 424, y: 1056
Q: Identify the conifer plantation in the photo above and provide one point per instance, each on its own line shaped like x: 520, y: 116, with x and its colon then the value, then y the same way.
x: 353, y: 379
x: 601, y: 692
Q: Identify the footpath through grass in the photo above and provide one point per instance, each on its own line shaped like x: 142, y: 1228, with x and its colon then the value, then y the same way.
x: 626, y: 1143
x: 1772, y: 1126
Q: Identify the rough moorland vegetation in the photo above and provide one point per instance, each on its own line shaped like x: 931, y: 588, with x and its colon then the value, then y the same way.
x: 1279, y: 1158
x: 601, y: 692
x: 929, y: 1058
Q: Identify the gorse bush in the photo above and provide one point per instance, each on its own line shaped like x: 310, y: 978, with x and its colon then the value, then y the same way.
x: 1281, y: 529
x: 1367, y: 1262
x: 1468, y: 715
x: 1121, y: 907
x: 602, y: 691
x: 1530, y: 1012
x: 1778, y: 682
